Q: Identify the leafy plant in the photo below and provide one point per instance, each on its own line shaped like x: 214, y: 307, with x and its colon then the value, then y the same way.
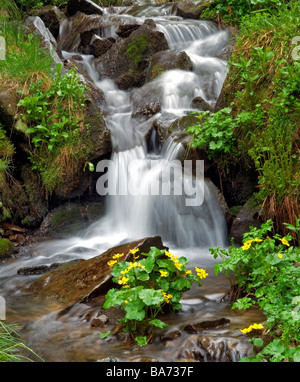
x: 149, y: 286
x: 266, y: 271
x: 53, y: 113
x: 216, y: 132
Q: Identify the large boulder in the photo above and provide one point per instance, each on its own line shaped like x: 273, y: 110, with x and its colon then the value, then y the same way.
x: 188, y: 10
x: 87, y: 279
x: 168, y: 60
x: 84, y: 6
x: 127, y: 61
x: 52, y: 17
x: 79, y: 31
x: 48, y: 42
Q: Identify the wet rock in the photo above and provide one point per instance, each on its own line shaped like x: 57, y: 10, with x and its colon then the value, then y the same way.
x: 170, y: 336
x: 200, y: 104
x: 78, y: 32
x: 249, y: 215
x: 215, y: 349
x: 125, y: 30
x: 188, y: 10
x: 52, y: 17
x: 100, y: 321
x: 199, y: 327
x: 168, y: 60
x: 37, y: 269
x: 5, y: 247
x: 99, y: 46
x: 127, y: 60
x: 12, y: 227
x: 88, y: 278
x: 69, y: 218
x: 84, y: 6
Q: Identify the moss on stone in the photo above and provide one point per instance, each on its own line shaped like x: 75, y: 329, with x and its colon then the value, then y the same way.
x: 5, y: 246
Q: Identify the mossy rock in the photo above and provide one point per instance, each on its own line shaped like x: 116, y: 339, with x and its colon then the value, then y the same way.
x: 5, y: 247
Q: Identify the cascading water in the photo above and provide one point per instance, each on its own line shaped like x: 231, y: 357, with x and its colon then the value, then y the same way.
x: 187, y: 230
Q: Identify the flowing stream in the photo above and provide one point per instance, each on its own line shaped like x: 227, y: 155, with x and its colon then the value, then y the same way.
x: 187, y: 230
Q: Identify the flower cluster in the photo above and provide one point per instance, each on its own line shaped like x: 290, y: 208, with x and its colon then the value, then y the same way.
x: 248, y: 243
x: 131, y: 266
x: 201, y: 273
x: 174, y: 259
x: 167, y: 296
x: 251, y: 327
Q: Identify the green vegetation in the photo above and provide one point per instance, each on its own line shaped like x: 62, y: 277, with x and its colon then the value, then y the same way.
x: 148, y: 286
x: 262, y: 92
x: 233, y: 11
x: 12, y: 348
x: 5, y: 246
x: 265, y: 272
x: 137, y: 48
x: 54, y: 114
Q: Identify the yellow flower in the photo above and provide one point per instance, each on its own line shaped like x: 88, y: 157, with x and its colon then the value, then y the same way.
x: 257, y: 240
x: 126, y: 286
x: 133, y: 251
x: 201, y: 273
x: 280, y: 255
x: 285, y: 242
x: 178, y: 265
x: 126, y: 302
x: 167, y: 297
x: 123, y: 280
x: 187, y: 272
x: 251, y: 327
x: 246, y: 245
x: 111, y: 263
x: 118, y: 255
x: 163, y: 273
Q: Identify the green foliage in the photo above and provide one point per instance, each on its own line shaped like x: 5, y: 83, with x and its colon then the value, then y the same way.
x: 27, y: 5
x: 54, y: 112
x: 233, y: 11
x: 215, y: 131
x: 266, y: 269
x: 25, y: 59
x: 148, y: 286
x: 11, y: 345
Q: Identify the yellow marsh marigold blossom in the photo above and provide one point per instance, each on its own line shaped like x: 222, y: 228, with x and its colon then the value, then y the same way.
x: 111, y: 263
x: 280, y: 255
x: 123, y: 280
x: 201, y: 273
x: 118, y: 255
x: 251, y: 327
x: 187, y: 273
x: 285, y: 242
x: 167, y: 297
x: 163, y: 273
x: 134, y: 251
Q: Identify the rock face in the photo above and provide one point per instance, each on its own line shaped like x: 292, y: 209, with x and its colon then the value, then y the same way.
x: 127, y: 61
x: 87, y: 278
x: 188, y: 10
x: 249, y: 215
